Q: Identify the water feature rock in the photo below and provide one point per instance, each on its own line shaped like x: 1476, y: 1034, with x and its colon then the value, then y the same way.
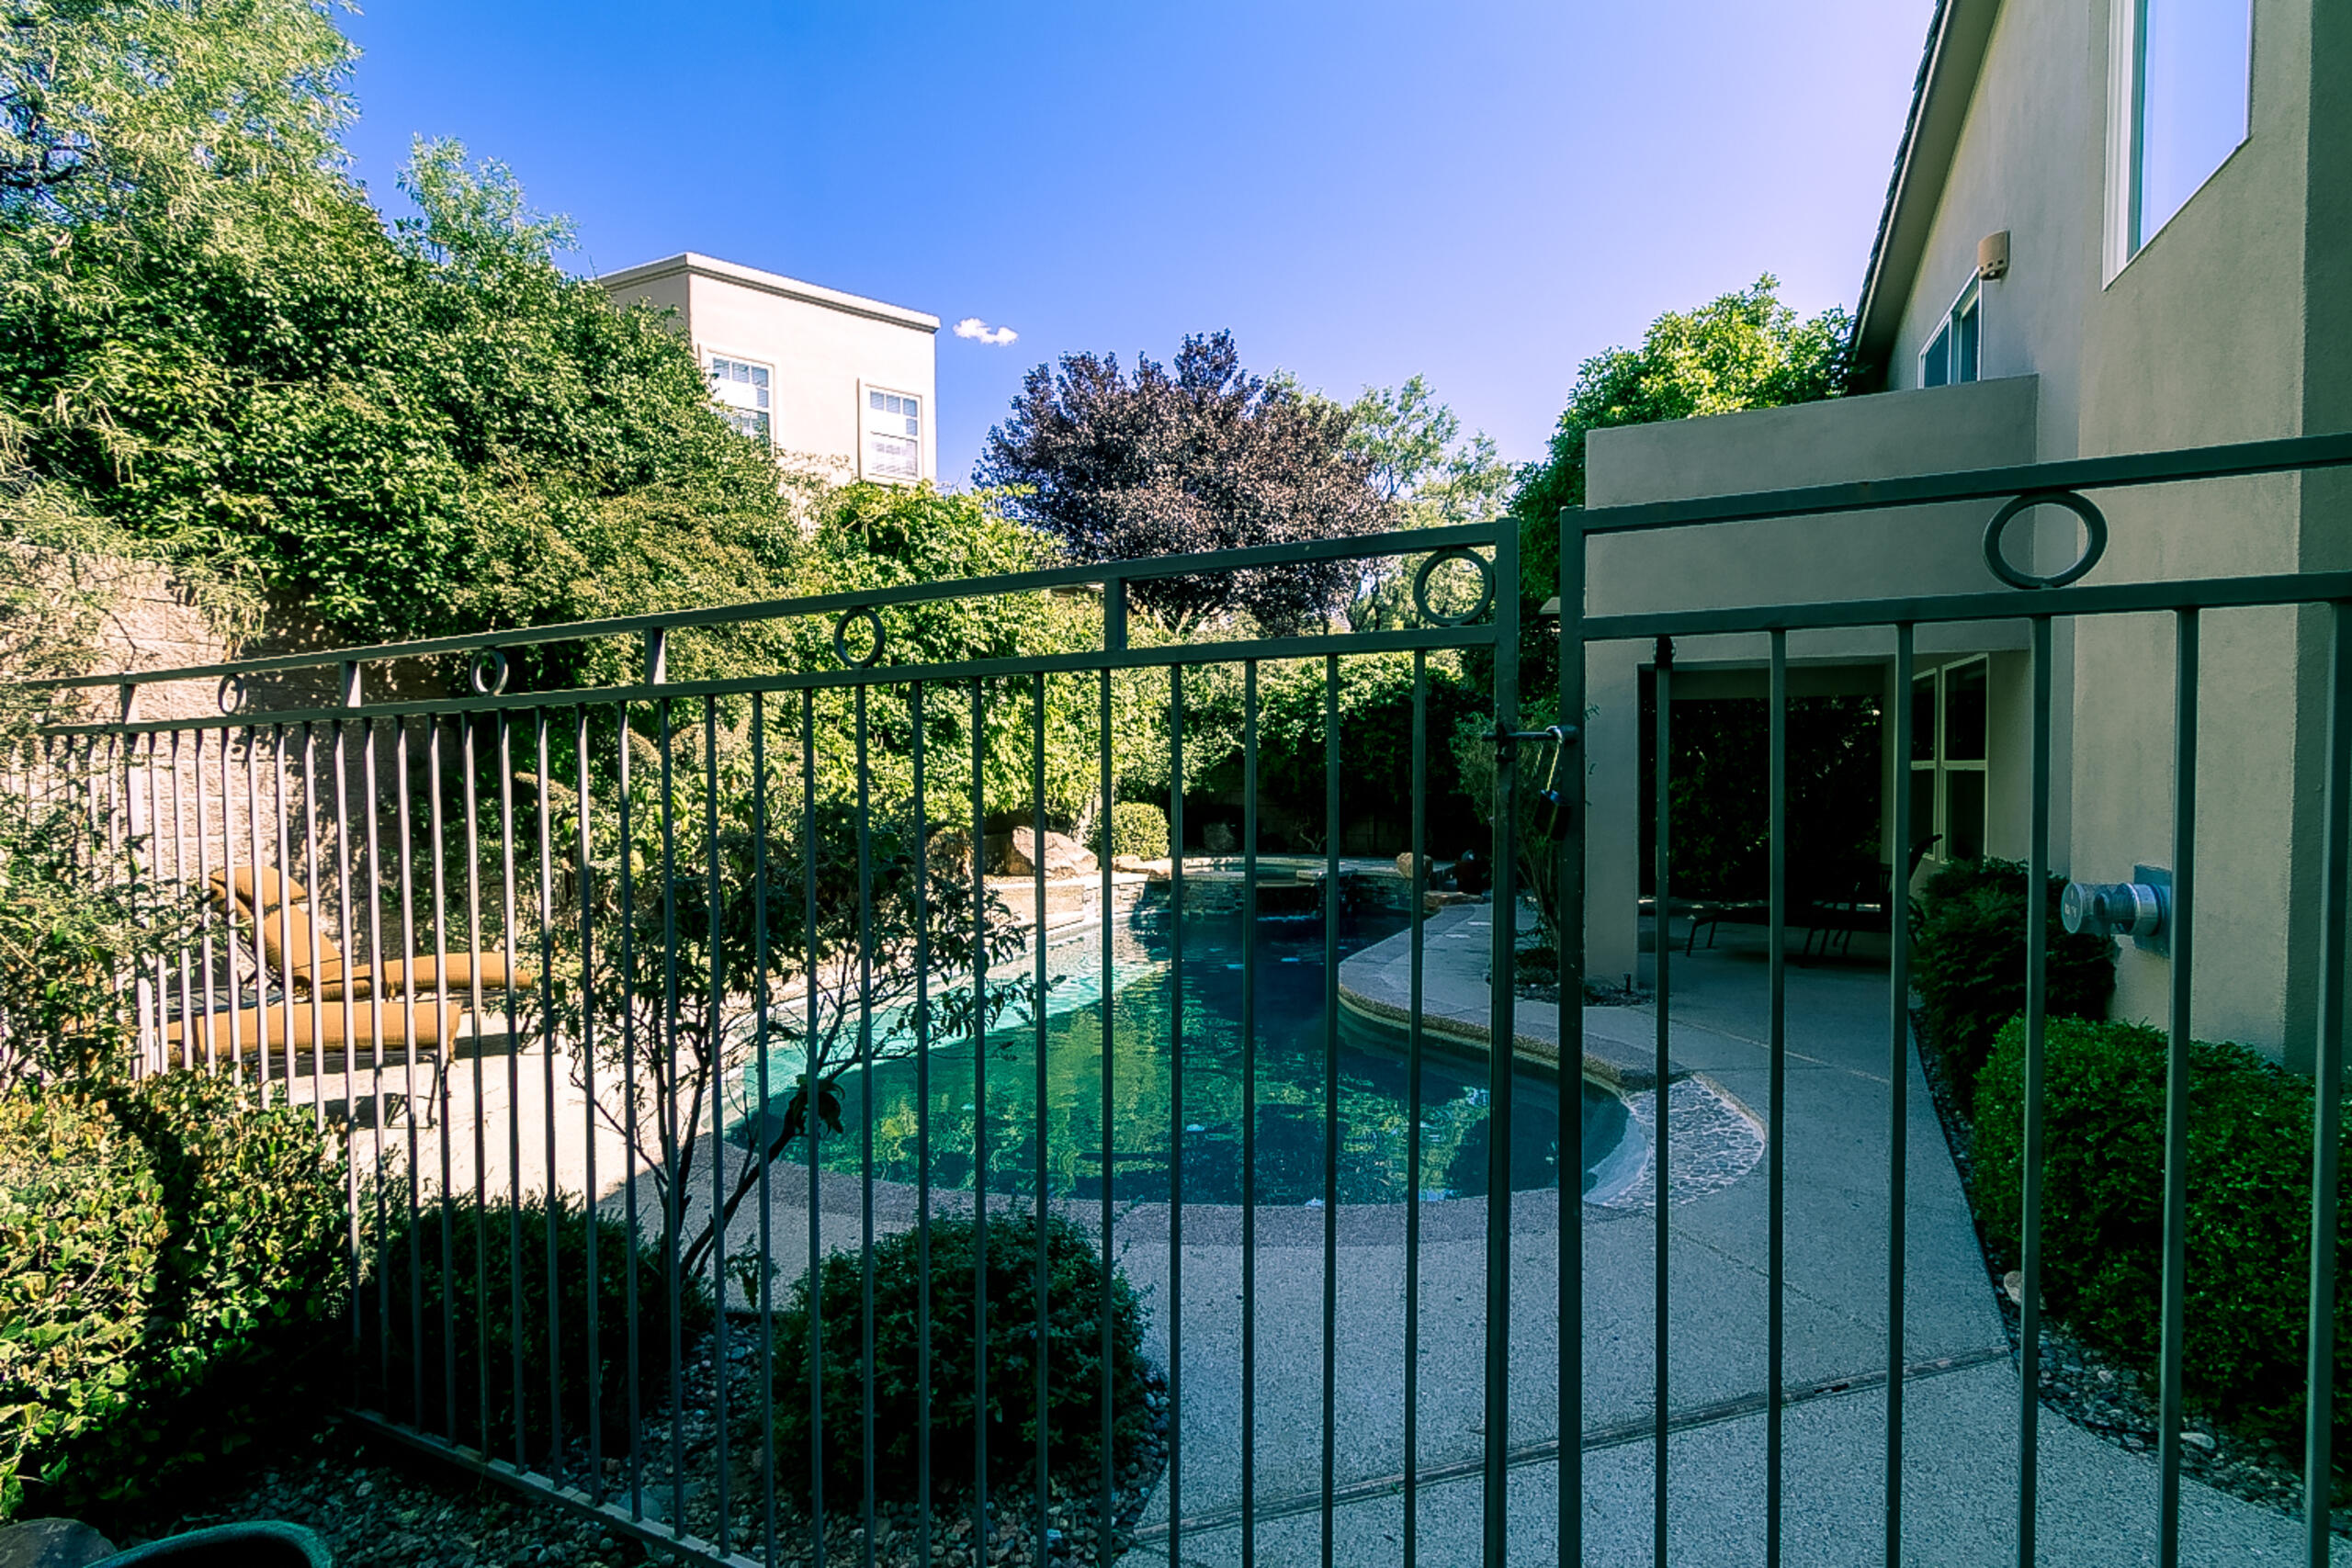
x: 1405, y: 865
x: 1063, y: 855
x: 1218, y: 839
x: 951, y: 855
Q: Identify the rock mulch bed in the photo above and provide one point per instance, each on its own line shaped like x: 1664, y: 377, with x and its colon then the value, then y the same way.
x: 378, y: 1502
x: 2103, y: 1396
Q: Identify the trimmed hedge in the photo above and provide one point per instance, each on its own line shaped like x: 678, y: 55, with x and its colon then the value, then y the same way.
x: 1137, y: 827
x: 168, y: 1257
x: 1968, y: 962
x: 2102, y: 1226
x: 477, y: 1292
x: 1073, y: 1363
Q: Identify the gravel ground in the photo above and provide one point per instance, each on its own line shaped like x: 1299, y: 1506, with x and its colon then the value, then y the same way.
x: 378, y: 1502
x: 2109, y: 1398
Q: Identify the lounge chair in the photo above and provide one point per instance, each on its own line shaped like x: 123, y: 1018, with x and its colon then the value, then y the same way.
x: 320, y: 969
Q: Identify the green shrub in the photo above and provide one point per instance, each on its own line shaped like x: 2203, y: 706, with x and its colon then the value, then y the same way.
x: 1073, y: 1361
x: 82, y: 1238
x: 168, y: 1257
x: 1136, y: 828
x: 2102, y: 1221
x: 476, y: 1295
x: 1968, y: 962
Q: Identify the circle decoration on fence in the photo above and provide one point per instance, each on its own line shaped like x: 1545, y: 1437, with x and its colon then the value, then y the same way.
x: 233, y: 694
x: 1485, y: 586
x: 2093, y: 542
x: 840, y: 637
x: 489, y: 672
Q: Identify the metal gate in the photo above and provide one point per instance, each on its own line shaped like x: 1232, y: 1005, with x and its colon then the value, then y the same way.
x: 585, y: 929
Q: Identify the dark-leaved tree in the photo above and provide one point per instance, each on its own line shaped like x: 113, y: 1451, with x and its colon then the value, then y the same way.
x: 1173, y: 461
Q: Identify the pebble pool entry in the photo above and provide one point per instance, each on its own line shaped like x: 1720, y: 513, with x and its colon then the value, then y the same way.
x: 1289, y: 1047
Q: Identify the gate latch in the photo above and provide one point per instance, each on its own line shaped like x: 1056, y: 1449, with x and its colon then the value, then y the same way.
x: 1559, y: 736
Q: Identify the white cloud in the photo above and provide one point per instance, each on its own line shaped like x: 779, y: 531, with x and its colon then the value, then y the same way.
x: 979, y: 331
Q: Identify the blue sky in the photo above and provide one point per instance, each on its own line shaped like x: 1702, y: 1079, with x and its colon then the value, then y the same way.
x: 1483, y: 193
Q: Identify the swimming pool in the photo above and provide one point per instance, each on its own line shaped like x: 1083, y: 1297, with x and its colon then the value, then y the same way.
x: 1289, y: 1090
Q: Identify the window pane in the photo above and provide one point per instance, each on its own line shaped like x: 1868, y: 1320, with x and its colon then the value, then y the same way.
x: 1964, y: 814
x: 1923, y: 809
x: 1966, y: 350
x: 1965, y: 715
x: 874, y: 399
x: 2194, y: 55
x: 1935, y: 366
x: 1923, y: 719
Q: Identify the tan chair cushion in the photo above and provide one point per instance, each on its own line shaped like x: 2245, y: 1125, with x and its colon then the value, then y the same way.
x: 321, y: 1029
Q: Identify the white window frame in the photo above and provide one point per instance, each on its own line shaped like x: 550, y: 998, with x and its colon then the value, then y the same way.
x: 2126, y: 106
x: 1943, y: 767
x: 1971, y: 296
x: 712, y: 355
x: 925, y: 412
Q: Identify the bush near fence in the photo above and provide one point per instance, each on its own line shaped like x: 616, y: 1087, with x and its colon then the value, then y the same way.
x: 2102, y: 1219
x: 171, y: 1260
x: 1073, y: 1415
x: 491, y: 1302
x: 1136, y: 828
x: 1968, y: 963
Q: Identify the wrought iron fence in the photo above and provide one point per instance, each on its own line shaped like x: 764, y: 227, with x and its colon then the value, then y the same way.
x: 539, y: 953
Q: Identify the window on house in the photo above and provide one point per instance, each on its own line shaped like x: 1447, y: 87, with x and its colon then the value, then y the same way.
x: 741, y: 389
x: 1956, y: 352
x: 1949, y: 724
x: 893, y: 436
x: 2184, y: 75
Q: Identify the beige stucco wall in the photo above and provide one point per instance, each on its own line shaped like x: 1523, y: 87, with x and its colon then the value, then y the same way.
x: 1801, y: 560
x: 822, y: 347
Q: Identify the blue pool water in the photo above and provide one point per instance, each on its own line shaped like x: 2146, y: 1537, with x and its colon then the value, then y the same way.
x: 1289, y: 1060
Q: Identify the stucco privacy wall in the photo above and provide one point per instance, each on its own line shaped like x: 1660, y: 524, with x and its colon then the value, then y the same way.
x: 1796, y: 560
x: 822, y: 347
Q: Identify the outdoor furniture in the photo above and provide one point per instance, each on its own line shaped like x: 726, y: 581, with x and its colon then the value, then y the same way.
x: 286, y: 926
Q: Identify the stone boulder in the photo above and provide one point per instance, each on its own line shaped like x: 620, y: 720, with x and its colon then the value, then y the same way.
x: 51, y: 1543
x: 1064, y: 856
x: 950, y: 854
x: 1219, y: 838
x: 1405, y: 865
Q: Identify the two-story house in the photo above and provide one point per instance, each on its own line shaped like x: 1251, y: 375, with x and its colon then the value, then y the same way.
x: 2114, y: 226
x: 836, y: 382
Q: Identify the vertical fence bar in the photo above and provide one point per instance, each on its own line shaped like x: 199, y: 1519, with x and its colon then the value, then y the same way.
x: 2176, y: 1221
x: 189, y: 1022
x: 481, y: 1120
x: 2037, y: 952
x: 448, y: 1062
x: 1776, y: 1171
x: 285, y: 912
x: 634, y: 1351
x: 583, y: 852
x: 349, y: 1010
x: 255, y: 913
x: 1249, y: 1111
x: 507, y: 919
x: 716, y: 1032
x: 1502, y: 1038
x: 1569, y: 808
x: 1330, y: 1089
x: 408, y: 1003
x: 768, y: 1148
x: 1418, y: 917
x: 206, y: 919
x: 980, y: 1534
x: 674, y: 1201
x: 866, y: 1114
x: 1175, y: 1475
x: 1110, y: 843
x: 1038, y: 1129
x: 543, y: 810
x: 1898, y: 1079
x: 811, y: 1122
x: 2327, y: 1091
x: 230, y: 939
x: 923, y: 1027
x: 1662, y: 949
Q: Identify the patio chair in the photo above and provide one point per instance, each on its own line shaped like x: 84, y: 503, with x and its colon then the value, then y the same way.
x: 319, y: 968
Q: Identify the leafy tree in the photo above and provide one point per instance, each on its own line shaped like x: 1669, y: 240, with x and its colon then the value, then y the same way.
x: 1741, y: 350
x: 1204, y: 457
